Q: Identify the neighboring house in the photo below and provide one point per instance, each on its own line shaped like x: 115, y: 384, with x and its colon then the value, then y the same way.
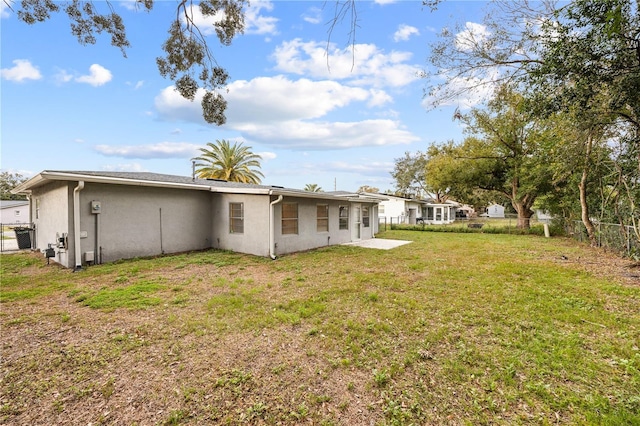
x: 95, y: 217
x: 435, y: 213
x: 395, y: 209
x: 14, y: 212
x: 495, y: 211
x: 543, y: 216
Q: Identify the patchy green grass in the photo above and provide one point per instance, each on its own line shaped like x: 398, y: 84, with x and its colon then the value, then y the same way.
x: 450, y: 329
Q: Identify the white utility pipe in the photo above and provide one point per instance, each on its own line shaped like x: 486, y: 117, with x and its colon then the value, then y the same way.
x: 76, y: 224
x: 272, y: 226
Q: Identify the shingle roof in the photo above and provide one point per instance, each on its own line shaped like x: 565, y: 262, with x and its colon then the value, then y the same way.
x: 158, y: 179
x: 13, y: 203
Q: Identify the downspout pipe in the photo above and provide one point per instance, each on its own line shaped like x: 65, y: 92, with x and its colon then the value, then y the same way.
x: 76, y: 225
x: 272, y: 228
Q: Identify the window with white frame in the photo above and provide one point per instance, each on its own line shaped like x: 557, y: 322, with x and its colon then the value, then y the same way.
x: 322, y: 217
x: 236, y: 218
x: 365, y: 216
x: 343, y: 216
x: 289, y: 218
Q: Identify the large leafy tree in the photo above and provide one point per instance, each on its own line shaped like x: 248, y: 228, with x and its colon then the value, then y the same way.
x: 8, y: 181
x: 230, y: 162
x: 506, y: 154
x: 408, y: 174
x: 580, y: 58
x: 187, y: 60
x: 368, y: 189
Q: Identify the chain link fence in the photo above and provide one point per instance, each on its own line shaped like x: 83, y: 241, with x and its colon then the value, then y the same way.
x: 16, y: 236
x: 622, y: 239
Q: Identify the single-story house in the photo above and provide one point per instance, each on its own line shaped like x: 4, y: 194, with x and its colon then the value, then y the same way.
x: 495, y: 211
x: 89, y: 217
x: 544, y: 216
x: 435, y: 213
x: 396, y: 209
x: 14, y: 212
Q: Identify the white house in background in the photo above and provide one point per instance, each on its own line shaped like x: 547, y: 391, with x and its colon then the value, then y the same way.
x: 543, y: 216
x: 435, y: 213
x: 495, y: 211
x: 88, y: 217
x: 14, y: 211
x: 396, y: 209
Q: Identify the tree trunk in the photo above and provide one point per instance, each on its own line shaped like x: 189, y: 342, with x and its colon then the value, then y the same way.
x: 522, y: 205
x: 591, y: 230
x: 524, y: 214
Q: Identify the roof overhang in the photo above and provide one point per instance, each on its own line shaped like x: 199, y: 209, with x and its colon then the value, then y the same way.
x: 47, y: 176
x: 50, y: 176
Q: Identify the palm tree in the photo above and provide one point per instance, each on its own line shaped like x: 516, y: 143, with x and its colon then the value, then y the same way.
x: 233, y: 163
x: 312, y: 187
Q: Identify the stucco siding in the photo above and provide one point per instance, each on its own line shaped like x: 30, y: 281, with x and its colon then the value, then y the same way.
x: 15, y: 214
x: 143, y: 221
x: 255, y: 237
x: 308, y: 236
x: 52, y: 219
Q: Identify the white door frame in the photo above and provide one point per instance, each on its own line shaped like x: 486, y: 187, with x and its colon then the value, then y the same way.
x: 356, y: 222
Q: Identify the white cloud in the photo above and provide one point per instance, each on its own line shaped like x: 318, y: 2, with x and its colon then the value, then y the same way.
x: 383, y: 2
x: 313, y: 15
x: 130, y: 4
x: 365, y: 64
x: 378, y: 98
x: 473, y: 35
x: 266, y: 155
x: 130, y: 167
x: 279, y: 112
x: 159, y: 150
x: 62, y: 76
x: 138, y: 84
x: 280, y: 99
x: 98, y: 76
x: 257, y: 23
x: 405, y: 32
x: 467, y: 92
x: 5, y: 11
x: 329, y: 135
x: 254, y: 21
x: 267, y: 99
x: 22, y: 70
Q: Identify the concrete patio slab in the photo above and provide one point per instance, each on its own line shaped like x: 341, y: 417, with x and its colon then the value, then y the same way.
x: 378, y: 243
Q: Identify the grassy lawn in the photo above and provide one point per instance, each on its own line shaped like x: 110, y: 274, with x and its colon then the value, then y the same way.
x: 450, y: 329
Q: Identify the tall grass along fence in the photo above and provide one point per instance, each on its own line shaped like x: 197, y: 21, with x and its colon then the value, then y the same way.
x: 506, y: 224
x: 622, y: 239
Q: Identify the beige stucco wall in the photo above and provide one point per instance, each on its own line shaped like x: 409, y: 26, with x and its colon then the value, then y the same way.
x: 255, y: 238
x: 50, y: 214
x: 143, y: 221
x: 139, y: 221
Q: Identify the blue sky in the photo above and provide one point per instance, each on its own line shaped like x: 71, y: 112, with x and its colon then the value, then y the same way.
x: 336, y: 121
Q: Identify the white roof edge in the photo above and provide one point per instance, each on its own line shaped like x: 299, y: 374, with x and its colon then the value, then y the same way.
x: 25, y: 186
